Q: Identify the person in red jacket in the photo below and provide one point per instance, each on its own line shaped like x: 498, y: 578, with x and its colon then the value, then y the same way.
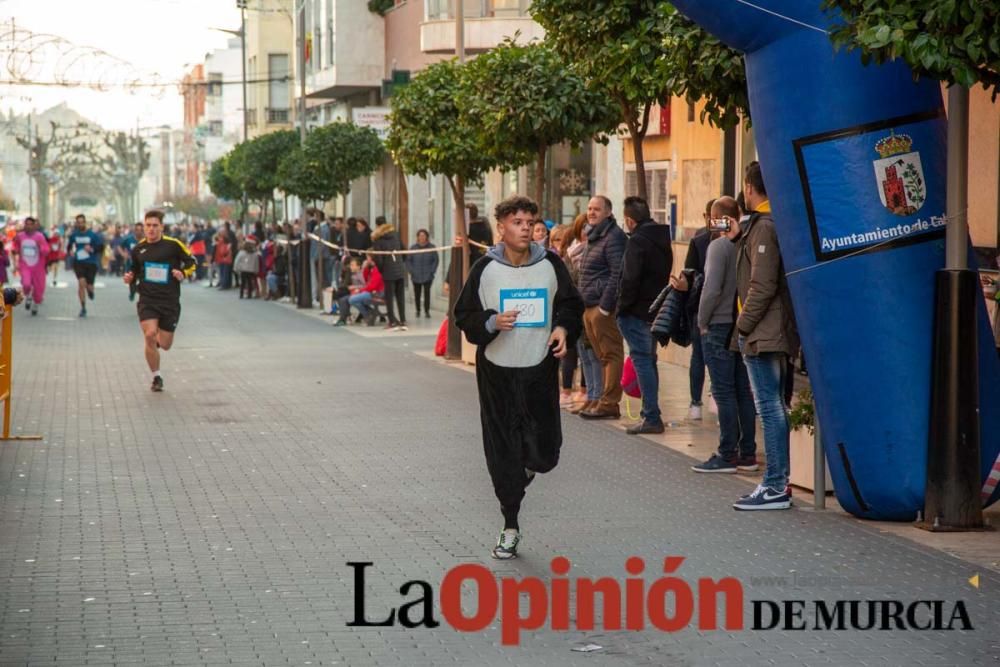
x: 361, y: 297
x: 56, y: 255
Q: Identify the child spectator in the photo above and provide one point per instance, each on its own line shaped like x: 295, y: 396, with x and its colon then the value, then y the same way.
x: 246, y: 265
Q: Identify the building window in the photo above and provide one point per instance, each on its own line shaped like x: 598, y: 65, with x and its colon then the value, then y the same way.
x: 215, y: 128
x: 690, y: 112
x: 657, y: 187
x: 278, y: 98
x: 214, y: 84
x: 331, y: 41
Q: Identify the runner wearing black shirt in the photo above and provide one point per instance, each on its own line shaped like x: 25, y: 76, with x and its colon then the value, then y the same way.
x: 159, y: 265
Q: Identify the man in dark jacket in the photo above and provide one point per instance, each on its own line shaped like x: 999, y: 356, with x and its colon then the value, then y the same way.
x: 393, y: 270
x: 646, y: 265
x: 766, y: 336
x: 600, y: 271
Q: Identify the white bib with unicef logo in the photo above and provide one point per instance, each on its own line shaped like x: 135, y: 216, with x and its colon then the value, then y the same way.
x: 530, y: 291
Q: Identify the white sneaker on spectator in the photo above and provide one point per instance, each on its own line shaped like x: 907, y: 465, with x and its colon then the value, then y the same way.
x: 694, y: 413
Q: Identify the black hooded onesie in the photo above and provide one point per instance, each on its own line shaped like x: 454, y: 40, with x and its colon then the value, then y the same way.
x: 516, y: 372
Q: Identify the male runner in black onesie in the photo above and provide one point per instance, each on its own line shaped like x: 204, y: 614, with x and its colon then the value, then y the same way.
x: 159, y: 266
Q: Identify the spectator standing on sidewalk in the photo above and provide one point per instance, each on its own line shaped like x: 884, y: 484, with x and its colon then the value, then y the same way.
x: 540, y: 234
x: 591, y: 374
x: 224, y: 261
x: 600, y: 271
x: 695, y: 259
x: 393, y: 270
x: 359, y: 236
x: 766, y: 337
x: 422, y: 267
x: 646, y: 265
x: 730, y: 384
x: 337, y: 255
x: 247, y: 264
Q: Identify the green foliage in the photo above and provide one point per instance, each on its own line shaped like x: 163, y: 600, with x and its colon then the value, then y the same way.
x: 699, y: 66
x: 206, y: 209
x: 219, y: 182
x: 380, y: 7
x: 428, y: 133
x: 333, y: 155
x: 957, y: 41
x: 253, y: 165
x: 642, y: 51
x: 803, y: 412
x: 523, y: 98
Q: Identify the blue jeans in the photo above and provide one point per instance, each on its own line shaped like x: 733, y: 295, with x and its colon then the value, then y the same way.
x: 593, y: 372
x: 767, y: 372
x: 361, y: 301
x: 732, y: 394
x: 696, y: 374
x: 642, y: 349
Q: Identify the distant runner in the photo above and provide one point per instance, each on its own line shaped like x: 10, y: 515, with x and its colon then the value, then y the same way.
x: 32, y: 249
x: 159, y: 266
x: 129, y: 242
x: 85, y: 246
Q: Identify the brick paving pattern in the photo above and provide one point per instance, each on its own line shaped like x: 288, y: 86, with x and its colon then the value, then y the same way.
x: 212, y: 524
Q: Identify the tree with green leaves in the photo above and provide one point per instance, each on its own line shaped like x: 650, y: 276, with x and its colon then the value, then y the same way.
x: 957, y: 41
x: 331, y: 158
x: 428, y: 134
x: 641, y: 52
x: 219, y: 182
x: 253, y: 165
x: 523, y: 98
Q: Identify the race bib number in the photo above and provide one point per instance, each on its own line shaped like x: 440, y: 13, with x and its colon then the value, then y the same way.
x: 531, y: 304
x: 156, y: 273
x: 29, y: 251
x: 81, y: 242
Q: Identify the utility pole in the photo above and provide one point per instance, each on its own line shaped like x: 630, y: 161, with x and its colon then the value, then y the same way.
x: 31, y: 174
x: 242, y: 4
x: 305, y: 294
x: 952, y: 500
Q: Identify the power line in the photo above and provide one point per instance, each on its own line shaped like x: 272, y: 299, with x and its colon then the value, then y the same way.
x: 136, y: 84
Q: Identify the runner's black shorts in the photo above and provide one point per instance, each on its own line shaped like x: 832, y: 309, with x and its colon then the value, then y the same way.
x: 167, y: 313
x: 85, y: 270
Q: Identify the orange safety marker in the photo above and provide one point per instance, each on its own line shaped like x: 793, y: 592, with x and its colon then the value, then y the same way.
x: 6, y: 373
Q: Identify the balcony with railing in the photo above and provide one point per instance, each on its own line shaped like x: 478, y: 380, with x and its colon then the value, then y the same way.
x: 487, y: 23
x: 251, y: 115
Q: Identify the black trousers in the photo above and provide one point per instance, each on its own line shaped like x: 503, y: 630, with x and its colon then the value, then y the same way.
x: 248, y: 283
x: 395, y: 293
x: 425, y: 289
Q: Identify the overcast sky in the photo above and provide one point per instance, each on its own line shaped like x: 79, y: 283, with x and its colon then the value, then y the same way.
x: 157, y: 36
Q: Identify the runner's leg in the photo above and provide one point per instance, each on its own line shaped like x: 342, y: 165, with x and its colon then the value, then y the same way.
x: 165, y: 339
x: 151, y: 333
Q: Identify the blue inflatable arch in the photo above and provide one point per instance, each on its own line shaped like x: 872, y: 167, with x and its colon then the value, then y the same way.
x: 854, y: 162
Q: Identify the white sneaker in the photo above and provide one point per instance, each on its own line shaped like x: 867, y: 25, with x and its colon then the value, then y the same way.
x: 506, y: 547
x: 694, y: 413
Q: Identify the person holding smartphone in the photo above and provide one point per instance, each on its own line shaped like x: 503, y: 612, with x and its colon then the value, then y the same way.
x: 520, y: 307
x: 730, y: 383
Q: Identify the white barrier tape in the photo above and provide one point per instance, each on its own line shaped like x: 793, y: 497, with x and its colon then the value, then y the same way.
x: 394, y: 252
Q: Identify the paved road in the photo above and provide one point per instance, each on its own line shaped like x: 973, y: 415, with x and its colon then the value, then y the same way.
x: 212, y: 524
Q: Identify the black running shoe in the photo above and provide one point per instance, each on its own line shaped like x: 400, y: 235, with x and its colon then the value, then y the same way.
x: 157, y: 383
